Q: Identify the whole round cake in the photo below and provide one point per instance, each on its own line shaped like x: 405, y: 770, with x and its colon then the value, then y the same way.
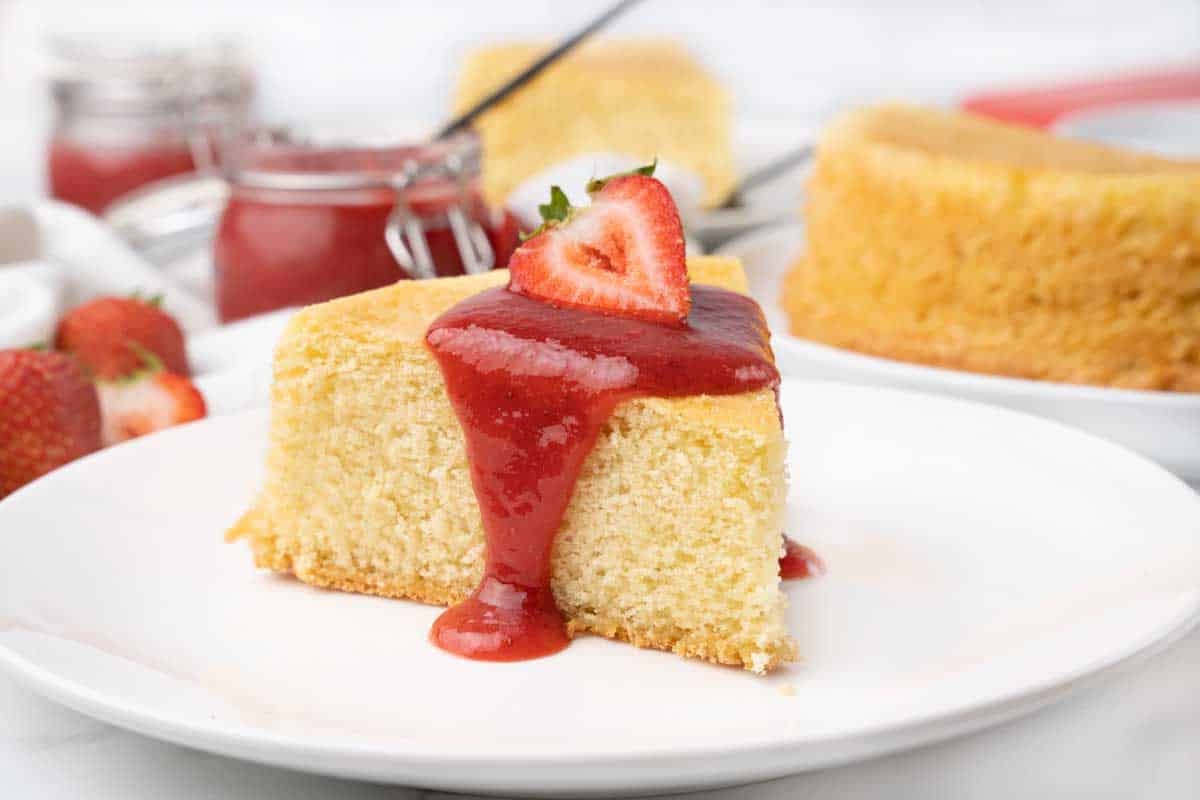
x: 947, y: 239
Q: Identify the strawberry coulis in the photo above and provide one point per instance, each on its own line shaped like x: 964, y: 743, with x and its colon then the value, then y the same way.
x: 532, y: 385
x: 270, y: 254
x: 799, y: 562
x: 93, y: 176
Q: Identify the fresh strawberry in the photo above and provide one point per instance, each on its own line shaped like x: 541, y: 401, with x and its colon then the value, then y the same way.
x: 49, y: 415
x: 149, y: 401
x: 621, y: 255
x: 111, y: 335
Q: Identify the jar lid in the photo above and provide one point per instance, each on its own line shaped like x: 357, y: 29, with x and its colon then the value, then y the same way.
x: 295, y: 159
x: 175, y: 213
x: 121, y: 79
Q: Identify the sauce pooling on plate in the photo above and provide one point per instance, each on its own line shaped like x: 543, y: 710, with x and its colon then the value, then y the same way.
x: 532, y: 385
x: 799, y: 562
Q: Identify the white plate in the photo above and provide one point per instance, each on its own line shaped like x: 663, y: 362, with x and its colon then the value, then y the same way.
x: 1163, y: 426
x: 982, y: 563
x: 1168, y: 128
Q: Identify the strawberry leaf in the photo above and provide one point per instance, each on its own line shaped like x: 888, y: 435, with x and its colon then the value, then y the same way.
x: 559, y: 207
x: 148, y: 299
x: 596, y: 184
x: 155, y: 300
x: 558, y: 210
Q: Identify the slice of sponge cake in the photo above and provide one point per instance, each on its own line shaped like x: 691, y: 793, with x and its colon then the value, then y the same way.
x: 672, y: 537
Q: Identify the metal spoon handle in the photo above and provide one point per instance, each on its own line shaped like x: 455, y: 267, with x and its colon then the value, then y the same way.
x: 532, y: 71
x: 773, y: 169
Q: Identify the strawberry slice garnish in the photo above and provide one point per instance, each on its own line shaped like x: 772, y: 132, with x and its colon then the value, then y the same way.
x: 49, y: 415
x: 149, y: 401
x: 622, y: 255
x: 111, y: 335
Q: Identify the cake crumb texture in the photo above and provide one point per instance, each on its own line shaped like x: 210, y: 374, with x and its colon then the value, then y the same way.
x: 672, y: 537
x: 950, y: 240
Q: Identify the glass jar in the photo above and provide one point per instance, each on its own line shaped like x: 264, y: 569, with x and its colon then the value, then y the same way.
x: 307, y: 222
x: 125, y: 118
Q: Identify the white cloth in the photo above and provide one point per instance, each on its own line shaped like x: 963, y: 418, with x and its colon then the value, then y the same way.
x: 79, y: 258
x: 18, y: 235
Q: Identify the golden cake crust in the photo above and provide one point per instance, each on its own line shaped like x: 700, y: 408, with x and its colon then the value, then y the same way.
x: 368, y: 491
x: 948, y: 240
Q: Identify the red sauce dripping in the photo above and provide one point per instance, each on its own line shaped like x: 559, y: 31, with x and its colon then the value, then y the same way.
x: 799, y: 562
x: 532, y: 385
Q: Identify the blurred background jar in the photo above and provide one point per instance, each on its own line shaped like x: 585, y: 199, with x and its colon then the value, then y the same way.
x: 125, y: 117
x: 310, y: 220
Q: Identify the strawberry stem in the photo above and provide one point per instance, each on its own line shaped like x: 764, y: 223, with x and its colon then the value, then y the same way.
x: 596, y: 184
x: 150, y: 362
x: 557, y: 211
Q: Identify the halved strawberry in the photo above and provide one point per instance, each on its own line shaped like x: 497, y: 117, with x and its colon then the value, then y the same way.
x: 622, y: 255
x: 150, y: 401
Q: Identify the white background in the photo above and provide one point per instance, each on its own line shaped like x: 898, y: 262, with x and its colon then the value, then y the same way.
x: 380, y: 59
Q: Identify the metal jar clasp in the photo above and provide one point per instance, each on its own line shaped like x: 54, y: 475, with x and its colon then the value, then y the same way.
x: 405, y: 230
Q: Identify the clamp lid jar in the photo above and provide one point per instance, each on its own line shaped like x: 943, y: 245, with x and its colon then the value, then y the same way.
x: 129, y: 116
x: 310, y: 219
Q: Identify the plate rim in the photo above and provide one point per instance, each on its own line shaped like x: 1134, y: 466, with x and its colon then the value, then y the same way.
x: 592, y: 774
x: 780, y: 754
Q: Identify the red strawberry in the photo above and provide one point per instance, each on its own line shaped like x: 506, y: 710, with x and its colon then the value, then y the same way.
x: 621, y: 255
x: 111, y: 335
x: 150, y: 401
x: 49, y: 415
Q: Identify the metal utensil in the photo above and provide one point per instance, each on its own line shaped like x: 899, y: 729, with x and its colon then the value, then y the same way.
x: 768, y: 172
x: 534, y: 69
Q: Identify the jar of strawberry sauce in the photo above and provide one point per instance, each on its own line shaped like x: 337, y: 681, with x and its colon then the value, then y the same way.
x: 307, y: 222
x: 126, y: 117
